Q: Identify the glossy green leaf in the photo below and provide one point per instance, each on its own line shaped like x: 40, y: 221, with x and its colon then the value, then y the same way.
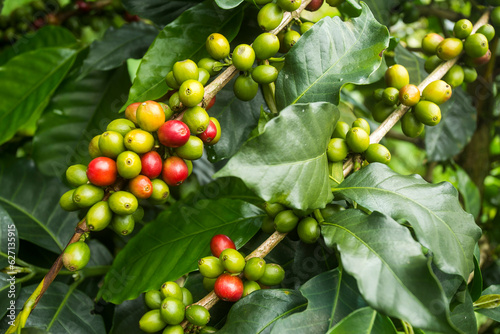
x: 493, y: 313
x: 130, y: 41
x: 289, y: 167
x: 382, y: 9
x: 10, y: 5
x: 365, y: 320
x: 392, y: 273
x: 160, y: 12
x: 260, y: 310
x: 475, y: 287
x: 455, y: 130
x: 171, y: 245
x: 331, y: 296
x: 63, y: 309
x: 78, y: 111
x: 413, y: 63
x: 182, y: 39
x: 228, y: 4
x: 433, y: 210
x: 9, y: 241
x: 487, y: 302
x: 237, y: 119
x: 48, y: 36
x: 127, y: 315
x: 32, y: 200
x: 329, y: 55
x: 463, y: 316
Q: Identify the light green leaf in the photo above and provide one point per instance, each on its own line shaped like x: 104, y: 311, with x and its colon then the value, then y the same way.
x: 228, y: 4
x: 365, y: 320
x: 382, y: 9
x: 289, y: 167
x: 493, y: 313
x: 433, y: 210
x: 10, y: 5
x: 487, y: 302
x: 392, y: 273
x: 329, y: 55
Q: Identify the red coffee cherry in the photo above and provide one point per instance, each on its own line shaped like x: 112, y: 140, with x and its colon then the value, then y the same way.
x: 151, y: 164
x: 210, y: 104
x: 141, y: 187
x: 173, y: 133
x: 175, y: 171
x: 102, y: 171
x: 228, y: 288
x: 219, y: 243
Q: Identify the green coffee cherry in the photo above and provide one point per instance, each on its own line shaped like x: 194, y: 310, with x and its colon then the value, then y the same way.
x: 185, y: 70
x: 66, y: 201
x: 361, y: 123
x: 308, y: 230
x: 176, y: 329
x: 470, y: 74
x: 121, y: 125
x: 139, y: 141
x: 432, y: 63
x: 266, y: 45
x: 123, y: 203
x: 94, y: 150
x: 411, y: 126
x: 172, y: 311
x: 87, y: 195
x: 358, y: 140
x: 76, y: 256
x: 272, y: 209
x: 476, y: 45
x: 455, y: 76
x: 249, y: 287
x: 111, y: 144
x: 232, y: 260
x: 160, y: 192
x: 381, y: 111
x: 210, y: 267
x: 270, y: 16
x: 390, y: 96
x: 138, y: 214
x: 152, y: 322
x: 192, y: 150
x: 337, y: 149
x: 268, y: 225
x: 76, y: 175
x: 99, y: 216
x: 430, y: 43
x: 495, y: 17
x: 245, y: 88
x: 488, y: 31
x: 204, y: 76
x: 265, y: 74
x: 273, y: 275
x: 153, y: 299
x: 340, y: 130
x: 437, y: 91
x: 462, y: 28
x: 212, y: 66
x: 197, y: 119
x: 243, y: 57
x: 123, y: 225
x: 289, y: 5
x: 305, y: 26
x: 175, y: 102
x: 208, y: 283
x: 428, y: 113
x: 409, y: 95
x: 285, y: 221
x: 128, y: 164
x: 449, y: 48
x: 171, y: 82
x: 210, y: 329
x: 191, y: 93
x: 378, y: 153
x: 197, y: 315
x: 397, y: 76
x: 187, y: 297
x: 378, y: 94
x: 254, y: 268
x: 217, y: 46
x: 171, y: 289
x: 291, y: 37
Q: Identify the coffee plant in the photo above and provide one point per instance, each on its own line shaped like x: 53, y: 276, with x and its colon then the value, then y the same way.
x: 249, y: 166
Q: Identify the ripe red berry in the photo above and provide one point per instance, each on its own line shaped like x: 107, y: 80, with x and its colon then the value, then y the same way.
x: 151, y: 164
x: 83, y: 6
x: 175, y: 171
x: 173, y: 133
x: 210, y: 104
x: 209, y: 134
x: 102, y: 171
x: 314, y: 5
x: 228, y: 288
x: 219, y: 243
x: 141, y: 187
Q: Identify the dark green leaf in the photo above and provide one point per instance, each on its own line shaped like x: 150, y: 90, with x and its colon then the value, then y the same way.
x: 170, y: 246
x: 48, y: 36
x: 127, y: 315
x: 8, y: 296
x: 160, y: 12
x: 455, y: 130
x: 228, y: 4
x: 331, y: 54
x: 433, y: 210
x: 9, y: 241
x: 63, y: 309
x: 463, y: 316
x: 260, y: 310
x: 182, y: 39
x: 365, y: 320
x: 41, y: 71
x: 32, y: 200
x: 382, y: 9
x: 117, y: 45
x: 493, y: 313
x: 289, y: 167
x: 237, y: 119
x: 392, y: 273
x: 413, y: 63
x: 78, y: 111
x: 476, y: 286
x: 331, y: 296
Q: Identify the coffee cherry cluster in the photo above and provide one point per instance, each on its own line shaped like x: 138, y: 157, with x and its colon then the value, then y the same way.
x: 170, y: 306
x: 281, y: 219
x: 476, y: 49
x: 355, y: 139
x: 223, y: 271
